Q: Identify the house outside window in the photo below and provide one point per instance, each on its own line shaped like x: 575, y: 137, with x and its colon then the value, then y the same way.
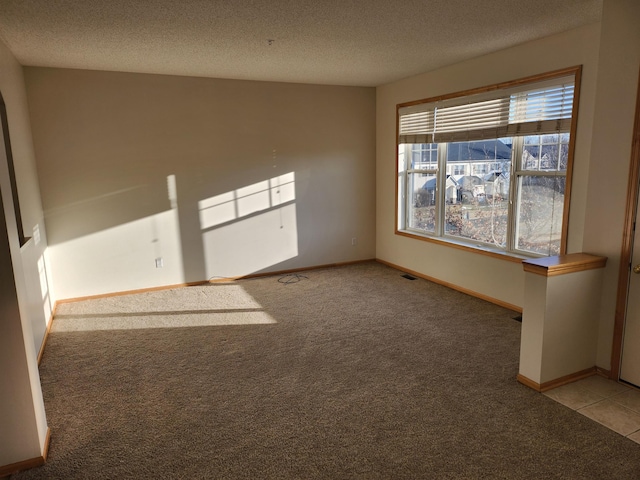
x: 490, y: 169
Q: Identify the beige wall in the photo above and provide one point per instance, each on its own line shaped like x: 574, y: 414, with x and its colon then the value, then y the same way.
x: 24, y: 300
x: 33, y: 287
x: 611, y: 151
x: 495, y: 278
x: 268, y: 177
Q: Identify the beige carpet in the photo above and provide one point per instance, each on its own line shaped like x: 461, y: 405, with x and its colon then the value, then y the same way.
x: 352, y: 372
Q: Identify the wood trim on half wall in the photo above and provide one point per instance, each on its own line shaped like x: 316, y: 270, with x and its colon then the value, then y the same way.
x: 558, y: 382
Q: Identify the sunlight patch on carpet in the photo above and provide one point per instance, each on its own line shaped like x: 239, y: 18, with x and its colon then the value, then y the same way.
x: 125, y: 322
x: 199, y: 306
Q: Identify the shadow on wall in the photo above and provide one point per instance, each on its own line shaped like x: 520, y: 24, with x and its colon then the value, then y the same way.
x: 250, y: 228
x: 230, y: 234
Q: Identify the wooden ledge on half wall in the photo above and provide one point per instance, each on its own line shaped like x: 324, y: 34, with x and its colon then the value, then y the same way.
x: 563, y: 264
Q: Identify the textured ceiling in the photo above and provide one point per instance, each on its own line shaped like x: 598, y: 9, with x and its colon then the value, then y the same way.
x: 340, y: 42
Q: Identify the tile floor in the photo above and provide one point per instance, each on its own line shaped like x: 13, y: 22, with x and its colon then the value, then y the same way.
x: 610, y: 403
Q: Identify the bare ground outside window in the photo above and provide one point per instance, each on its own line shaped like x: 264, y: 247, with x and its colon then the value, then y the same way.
x: 486, y: 221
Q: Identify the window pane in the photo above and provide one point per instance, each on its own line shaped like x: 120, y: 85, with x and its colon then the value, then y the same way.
x: 540, y: 212
x: 478, y: 158
x: 424, y: 156
x: 564, y: 156
x: 478, y: 190
x: 422, y: 205
x: 485, y: 150
x: 482, y: 219
x: 401, y: 158
x: 546, y: 152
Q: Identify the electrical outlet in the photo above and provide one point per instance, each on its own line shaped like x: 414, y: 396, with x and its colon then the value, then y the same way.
x: 159, y: 262
x: 354, y: 241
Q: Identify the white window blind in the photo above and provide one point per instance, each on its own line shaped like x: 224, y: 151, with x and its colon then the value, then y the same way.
x: 544, y: 107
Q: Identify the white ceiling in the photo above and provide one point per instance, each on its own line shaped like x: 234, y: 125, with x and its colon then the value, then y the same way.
x: 339, y: 42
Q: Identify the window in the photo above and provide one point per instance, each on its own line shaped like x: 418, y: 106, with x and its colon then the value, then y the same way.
x: 490, y: 169
x: 480, y: 168
x: 457, y: 169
